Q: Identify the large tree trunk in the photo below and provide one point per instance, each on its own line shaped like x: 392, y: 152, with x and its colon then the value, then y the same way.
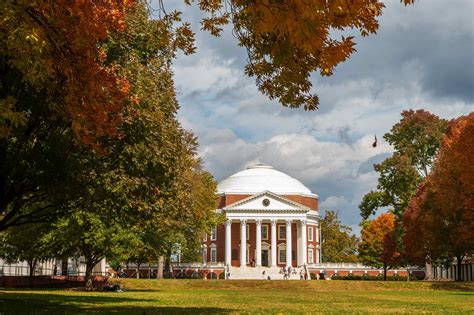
x: 64, y: 265
x: 384, y: 272
x: 159, y: 272
x: 32, y: 265
x: 138, y: 271
x: 89, y: 266
x: 458, y: 271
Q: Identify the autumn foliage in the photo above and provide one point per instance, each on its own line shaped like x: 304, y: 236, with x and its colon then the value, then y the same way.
x: 442, y: 212
x: 378, y: 247
x: 54, y: 47
x: 287, y: 41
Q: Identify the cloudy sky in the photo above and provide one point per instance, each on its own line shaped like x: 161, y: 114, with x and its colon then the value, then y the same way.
x: 422, y: 57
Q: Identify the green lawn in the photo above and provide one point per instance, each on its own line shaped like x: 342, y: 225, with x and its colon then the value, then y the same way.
x: 207, y: 296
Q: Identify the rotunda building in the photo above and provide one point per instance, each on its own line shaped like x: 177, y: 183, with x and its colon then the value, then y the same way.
x: 271, y: 221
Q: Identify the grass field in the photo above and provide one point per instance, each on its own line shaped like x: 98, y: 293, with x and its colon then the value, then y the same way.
x: 206, y: 296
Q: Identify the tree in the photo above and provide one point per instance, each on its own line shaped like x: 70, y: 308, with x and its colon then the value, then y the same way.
x: 338, y: 245
x: 91, y: 236
x: 25, y: 244
x: 378, y: 244
x: 42, y: 158
x: 442, y: 211
x: 53, y: 48
x: 55, y: 89
x: 287, y: 41
x: 416, y: 139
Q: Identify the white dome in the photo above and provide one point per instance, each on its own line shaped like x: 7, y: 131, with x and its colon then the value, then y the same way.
x: 259, y: 178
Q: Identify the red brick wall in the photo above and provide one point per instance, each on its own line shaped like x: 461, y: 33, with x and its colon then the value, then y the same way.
x: 312, y: 203
x: 309, y: 202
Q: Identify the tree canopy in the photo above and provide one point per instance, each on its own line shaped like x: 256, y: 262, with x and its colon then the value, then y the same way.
x: 416, y: 139
x: 378, y: 247
x: 441, y: 213
x: 338, y: 244
x: 287, y: 41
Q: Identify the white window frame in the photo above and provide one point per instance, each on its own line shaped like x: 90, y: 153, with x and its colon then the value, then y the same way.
x: 213, y: 258
x: 310, y: 255
x: 310, y: 233
x: 214, y: 234
x: 265, y: 227
x: 280, y: 230
x: 204, y: 255
x: 281, y: 258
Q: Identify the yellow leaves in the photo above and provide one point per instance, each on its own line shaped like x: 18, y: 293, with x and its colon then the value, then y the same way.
x: 9, y: 117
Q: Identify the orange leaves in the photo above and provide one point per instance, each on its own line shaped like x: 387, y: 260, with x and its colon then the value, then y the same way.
x: 68, y: 62
x: 378, y: 244
x: 442, y: 212
x: 289, y: 40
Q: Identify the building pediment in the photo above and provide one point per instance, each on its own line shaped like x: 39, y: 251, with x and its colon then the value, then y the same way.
x: 265, y: 201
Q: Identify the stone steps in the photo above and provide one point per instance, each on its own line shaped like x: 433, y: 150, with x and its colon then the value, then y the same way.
x: 256, y: 273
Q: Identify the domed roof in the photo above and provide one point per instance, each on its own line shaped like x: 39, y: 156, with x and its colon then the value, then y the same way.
x: 260, y: 177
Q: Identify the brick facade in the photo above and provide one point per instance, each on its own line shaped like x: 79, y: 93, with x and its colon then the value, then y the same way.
x: 226, y: 200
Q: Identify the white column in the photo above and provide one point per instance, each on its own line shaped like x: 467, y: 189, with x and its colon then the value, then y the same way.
x: 274, y: 243
x: 303, y: 247
x: 318, y: 241
x: 288, y: 243
x: 228, y: 246
x: 243, y: 243
x: 258, y: 246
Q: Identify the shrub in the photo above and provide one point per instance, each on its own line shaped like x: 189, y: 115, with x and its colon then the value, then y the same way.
x: 196, y: 275
x: 313, y: 276
x: 336, y: 276
x: 181, y: 275
x: 212, y: 275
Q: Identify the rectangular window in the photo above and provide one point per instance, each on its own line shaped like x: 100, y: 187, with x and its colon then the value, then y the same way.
x: 282, y: 232
x: 310, y: 256
x: 282, y: 256
x: 248, y: 233
x: 214, y: 234
x: 264, y: 232
x: 204, y: 255
x: 213, y: 255
x: 310, y: 233
x: 247, y: 255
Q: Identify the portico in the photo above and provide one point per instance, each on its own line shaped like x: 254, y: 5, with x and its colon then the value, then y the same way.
x: 272, y: 259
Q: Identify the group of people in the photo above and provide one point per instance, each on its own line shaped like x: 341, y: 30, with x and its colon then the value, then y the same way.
x: 288, y: 271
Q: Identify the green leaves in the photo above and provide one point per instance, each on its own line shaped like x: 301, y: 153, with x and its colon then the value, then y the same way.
x: 338, y: 245
x: 416, y: 139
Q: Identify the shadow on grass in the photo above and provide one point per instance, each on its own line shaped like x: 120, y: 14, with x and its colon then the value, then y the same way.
x: 43, y: 303
x: 453, y: 286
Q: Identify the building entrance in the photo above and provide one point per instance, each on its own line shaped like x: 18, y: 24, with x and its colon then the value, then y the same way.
x: 265, y: 257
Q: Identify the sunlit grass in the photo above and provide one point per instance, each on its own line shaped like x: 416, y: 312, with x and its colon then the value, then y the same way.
x: 219, y: 296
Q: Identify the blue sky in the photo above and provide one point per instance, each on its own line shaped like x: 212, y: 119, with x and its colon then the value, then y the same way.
x: 422, y: 57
